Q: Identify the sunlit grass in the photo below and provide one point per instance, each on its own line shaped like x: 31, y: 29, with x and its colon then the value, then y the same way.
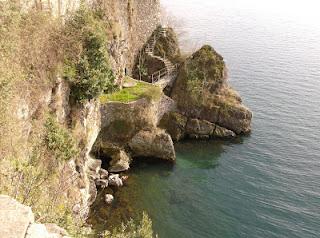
x: 139, y: 91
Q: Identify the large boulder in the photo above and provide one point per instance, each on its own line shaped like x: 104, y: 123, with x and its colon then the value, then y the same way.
x: 155, y: 143
x: 201, y: 91
x: 120, y: 162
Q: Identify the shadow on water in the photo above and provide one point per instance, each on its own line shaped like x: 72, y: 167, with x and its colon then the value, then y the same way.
x: 154, y: 184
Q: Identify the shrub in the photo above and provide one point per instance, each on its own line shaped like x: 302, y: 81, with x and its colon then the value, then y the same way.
x: 59, y: 140
x: 133, y: 230
x: 87, y: 61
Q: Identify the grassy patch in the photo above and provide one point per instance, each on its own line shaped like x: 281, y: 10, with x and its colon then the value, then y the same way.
x: 126, y: 95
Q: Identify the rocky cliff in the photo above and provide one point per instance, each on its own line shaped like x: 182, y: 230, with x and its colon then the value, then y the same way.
x: 46, y: 92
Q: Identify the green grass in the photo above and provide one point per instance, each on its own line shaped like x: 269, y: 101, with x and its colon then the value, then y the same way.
x: 126, y: 95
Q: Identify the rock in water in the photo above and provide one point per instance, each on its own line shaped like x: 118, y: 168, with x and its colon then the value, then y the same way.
x: 202, y: 92
x: 115, y: 180
x: 120, y: 162
x: 109, y: 198
x: 155, y: 143
x: 220, y: 132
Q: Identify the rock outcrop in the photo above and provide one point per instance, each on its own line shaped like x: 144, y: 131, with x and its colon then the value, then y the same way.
x: 204, y: 97
x: 17, y: 221
x: 131, y: 129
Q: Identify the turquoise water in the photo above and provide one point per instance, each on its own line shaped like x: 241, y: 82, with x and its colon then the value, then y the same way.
x: 267, y: 184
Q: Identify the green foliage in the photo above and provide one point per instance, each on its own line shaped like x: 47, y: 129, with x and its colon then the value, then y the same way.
x: 59, y: 140
x: 89, y: 72
x: 141, y: 90
x: 132, y: 230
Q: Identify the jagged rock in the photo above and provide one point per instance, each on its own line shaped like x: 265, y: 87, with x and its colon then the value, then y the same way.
x: 199, y: 127
x: 155, y: 143
x: 115, y: 180
x: 109, y: 198
x: 220, y: 132
x: 120, y: 162
x: 201, y: 91
x: 174, y: 123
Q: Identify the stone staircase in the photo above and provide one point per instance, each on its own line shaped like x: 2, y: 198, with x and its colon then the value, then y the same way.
x: 166, y: 75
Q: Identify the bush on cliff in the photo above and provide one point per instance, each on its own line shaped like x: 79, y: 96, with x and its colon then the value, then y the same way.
x: 87, y: 60
x: 59, y: 140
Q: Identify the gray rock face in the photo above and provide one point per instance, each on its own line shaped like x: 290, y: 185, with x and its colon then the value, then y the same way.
x: 156, y: 143
x: 120, y: 162
x: 115, y: 180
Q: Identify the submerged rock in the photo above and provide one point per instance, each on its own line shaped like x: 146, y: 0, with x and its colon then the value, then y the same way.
x: 108, y: 198
x: 156, y: 143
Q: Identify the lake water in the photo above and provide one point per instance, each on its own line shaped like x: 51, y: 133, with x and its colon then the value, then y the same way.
x: 267, y: 184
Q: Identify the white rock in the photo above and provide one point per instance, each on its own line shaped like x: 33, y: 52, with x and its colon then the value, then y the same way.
x: 109, y: 198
